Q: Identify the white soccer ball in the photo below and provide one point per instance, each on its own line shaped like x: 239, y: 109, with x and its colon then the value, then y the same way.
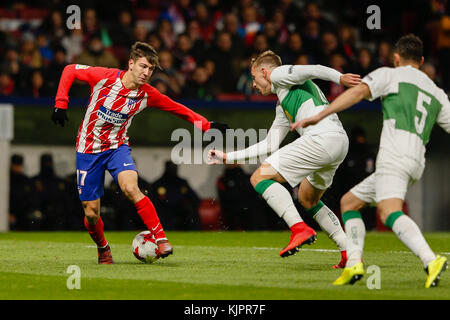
x: 144, y: 247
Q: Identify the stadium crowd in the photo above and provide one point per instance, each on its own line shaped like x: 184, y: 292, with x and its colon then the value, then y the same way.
x: 205, y: 46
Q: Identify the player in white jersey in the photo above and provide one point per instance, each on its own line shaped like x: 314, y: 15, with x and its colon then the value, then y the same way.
x: 412, y: 104
x: 310, y: 161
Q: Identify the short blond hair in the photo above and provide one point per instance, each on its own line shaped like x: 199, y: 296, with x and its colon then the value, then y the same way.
x: 267, y: 58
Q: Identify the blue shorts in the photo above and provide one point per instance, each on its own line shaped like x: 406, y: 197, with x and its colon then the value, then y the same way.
x: 91, y: 169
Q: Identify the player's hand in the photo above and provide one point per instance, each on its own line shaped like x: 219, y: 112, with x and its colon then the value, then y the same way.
x: 59, y: 116
x: 305, y: 122
x: 216, y: 156
x: 222, y: 127
x: 350, y: 79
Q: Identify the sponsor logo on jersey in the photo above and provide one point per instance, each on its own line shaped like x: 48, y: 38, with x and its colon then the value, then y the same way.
x: 81, y: 66
x: 111, y: 116
x: 290, y: 69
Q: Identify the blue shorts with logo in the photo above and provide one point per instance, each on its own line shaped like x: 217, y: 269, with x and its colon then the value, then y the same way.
x: 91, y: 169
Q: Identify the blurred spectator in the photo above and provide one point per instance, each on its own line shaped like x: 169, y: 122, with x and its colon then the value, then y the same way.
x: 330, y: 45
x: 179, y: 12
x: 37, y: 89
x: 96, y: 55
x: 245, y: 81
x: 292, y: 49
x: 43, y: 46
x: 337, y: 62
x: 429, y: 70
x: 385, y: 57
x: 241, y: 207
x: 6, y: 84
x: 52, y: 73
x: 226, y: 65
x: 231, y: 25
x: 73, y: 44
x: 176, y: 202
x: 29, y: 54
x: 199, y: 86
x: 347, y: 39
x: 443, y: 46
x: 260, y: 43
x: 155, y: 41
x: 184, y: 61
x: 312, y: 12
x: 198, y: 44
x: 288, y: 11
x: 311, y: 38
x: 121, y: 33
x: 302, y: 59
x: 91, y: 25
x: 168, y: 75
x: 53, y: 27
x: 140, y: 33
x: 165, y: 32
x: 49, y: 197
x: 364, y: 64
x: 19, y: 194
x: 206, y: 22
x: 11, y: 63
x: 250, y: 24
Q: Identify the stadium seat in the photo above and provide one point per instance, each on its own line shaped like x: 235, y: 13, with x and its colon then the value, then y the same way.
x: 210, y: 214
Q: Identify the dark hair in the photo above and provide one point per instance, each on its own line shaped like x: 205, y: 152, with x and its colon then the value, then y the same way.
x: 142, y: 49
x: 409, y: 47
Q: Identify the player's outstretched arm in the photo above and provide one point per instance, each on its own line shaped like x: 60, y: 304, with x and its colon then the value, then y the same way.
x: 342, y: 102
x: 297, y: 74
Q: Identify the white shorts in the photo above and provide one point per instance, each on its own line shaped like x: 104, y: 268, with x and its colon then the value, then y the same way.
x: 315, y: 157
x: 390, y: 180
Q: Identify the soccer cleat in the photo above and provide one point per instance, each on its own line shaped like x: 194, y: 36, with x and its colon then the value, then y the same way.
x: 104, y: 255
x: 434, y: 270
x: 343, y: 261
x: 164, y: 247
x: 350, y: 275
x: 306, y: 235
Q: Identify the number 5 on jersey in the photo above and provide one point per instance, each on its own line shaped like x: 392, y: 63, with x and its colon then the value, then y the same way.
x: 420, y: 122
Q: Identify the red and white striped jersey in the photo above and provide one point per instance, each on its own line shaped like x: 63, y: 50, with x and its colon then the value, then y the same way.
x: 112, y: 107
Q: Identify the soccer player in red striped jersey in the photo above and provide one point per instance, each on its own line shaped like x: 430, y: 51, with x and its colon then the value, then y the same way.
x: 102, y: 141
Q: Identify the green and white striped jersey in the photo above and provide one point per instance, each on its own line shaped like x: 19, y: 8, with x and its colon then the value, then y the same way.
x: 299, y: 97
x: 412, y: 104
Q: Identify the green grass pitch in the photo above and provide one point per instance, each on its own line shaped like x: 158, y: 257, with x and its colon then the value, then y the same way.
x: 209, y: 266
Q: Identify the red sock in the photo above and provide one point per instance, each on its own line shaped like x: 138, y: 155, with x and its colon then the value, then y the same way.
x: 148, y: 214
x: 298, y: 226
x: 96, y: 232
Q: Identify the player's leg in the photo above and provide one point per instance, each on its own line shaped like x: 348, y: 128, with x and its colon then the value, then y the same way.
x: 128, y: 183
x: 267, y: 182
x: 355, y: 199
x: 90, y: 182
x: 327, y: 152
x: 309, y: 197
x: 94, y: 225
x: 391, y: 190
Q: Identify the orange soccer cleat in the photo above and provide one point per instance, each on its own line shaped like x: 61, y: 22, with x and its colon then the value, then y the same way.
x: 300, y: 236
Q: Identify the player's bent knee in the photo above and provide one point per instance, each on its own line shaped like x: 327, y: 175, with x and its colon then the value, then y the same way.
x: 255, y: 179
x: 350, y: 202
x: 131, y: 191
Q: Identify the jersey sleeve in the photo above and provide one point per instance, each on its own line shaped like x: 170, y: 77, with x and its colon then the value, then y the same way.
x: 277, y: 132
x: 443, y: 118
x: 290, y: 75
x: 84, y: 73
x: 380, y: 83
x: 163, y: 102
